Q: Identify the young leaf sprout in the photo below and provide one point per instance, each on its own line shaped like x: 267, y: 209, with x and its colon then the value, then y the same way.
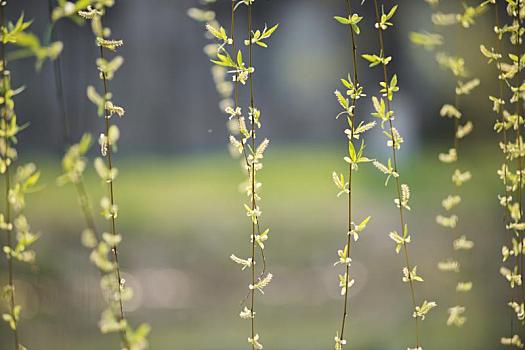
x: 223, y: 85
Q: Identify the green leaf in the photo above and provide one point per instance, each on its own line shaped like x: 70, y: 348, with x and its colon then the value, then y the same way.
x: 342, y: 20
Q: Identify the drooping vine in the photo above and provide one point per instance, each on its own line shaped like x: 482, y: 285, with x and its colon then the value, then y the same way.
x: 22, y: 179
x: 74, y: 162
x: 385, y: 113
x: 104, y: 246
x: 354, y: 131
x: 228, y: 55
x: 511, y: 91
x: 450, y: 219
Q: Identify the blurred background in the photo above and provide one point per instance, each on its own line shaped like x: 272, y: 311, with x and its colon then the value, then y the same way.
x: 180, y: 210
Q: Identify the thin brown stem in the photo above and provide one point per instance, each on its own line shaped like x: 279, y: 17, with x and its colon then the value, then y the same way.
x: 456, y: 124
x: 85, y: 206
x: 397, y: 179
x: 114, y: 249
x: 59, y: 81
x: 521, y: 260
x: 456, y: 143
x: 519, y: 143
x: 501, y: 114
x: 350, y: 189
x: 253, y: 172
x: 500, y: 81
x: 506, y: 216
x: 243, y: 143
x: 7, y: 176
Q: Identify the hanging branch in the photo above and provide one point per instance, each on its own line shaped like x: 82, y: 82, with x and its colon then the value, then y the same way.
x: 518, y: 91
x: 104, y: 246
x: 355, y: 133
x: 509, y: 179
x: 456, y: 65
x: 23, y: 179
x: 384, y: 112
x: 74, y: 160
x: 5, y: 220
x: 513, y: 151
x: 247, y: 146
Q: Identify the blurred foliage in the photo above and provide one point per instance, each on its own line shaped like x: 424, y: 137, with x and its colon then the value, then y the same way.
x: 183, y: 219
